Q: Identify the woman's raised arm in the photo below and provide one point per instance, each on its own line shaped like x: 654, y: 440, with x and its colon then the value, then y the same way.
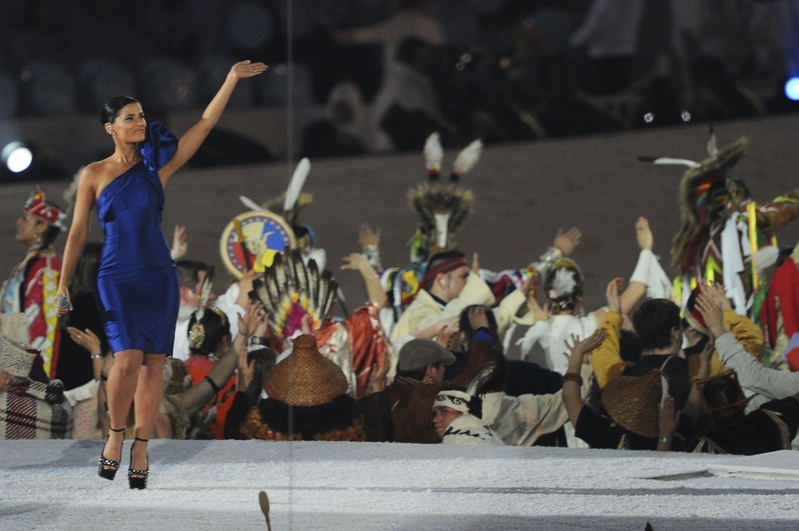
x: 190, y: 142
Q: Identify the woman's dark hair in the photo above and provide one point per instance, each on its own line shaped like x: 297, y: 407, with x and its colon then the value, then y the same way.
x: 498, y: 378
x: 466, y: 327
x: 264, y: 359
x: 215, y: 327
x: 630, y: 347
x: 654, y: 321
x: 112, y: 107
x: 83, y: 279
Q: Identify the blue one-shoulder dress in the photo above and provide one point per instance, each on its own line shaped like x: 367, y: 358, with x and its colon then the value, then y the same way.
x: 137, y: 286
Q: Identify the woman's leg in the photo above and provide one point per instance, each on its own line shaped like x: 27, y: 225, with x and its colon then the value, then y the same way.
x: 120, y: 388
x: 148, y: 398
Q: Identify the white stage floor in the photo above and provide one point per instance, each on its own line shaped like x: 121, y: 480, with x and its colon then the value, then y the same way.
x: 213, y: 485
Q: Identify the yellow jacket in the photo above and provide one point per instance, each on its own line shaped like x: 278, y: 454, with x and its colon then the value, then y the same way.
x: 608, y: 364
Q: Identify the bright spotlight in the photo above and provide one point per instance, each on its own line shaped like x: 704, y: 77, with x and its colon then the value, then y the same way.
x: 792, y: 88
x: 17, y: 157
x: 22, y: 160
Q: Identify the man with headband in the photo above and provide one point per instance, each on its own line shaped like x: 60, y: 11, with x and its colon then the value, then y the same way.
x: 457, y: 420
x: 449, y: 286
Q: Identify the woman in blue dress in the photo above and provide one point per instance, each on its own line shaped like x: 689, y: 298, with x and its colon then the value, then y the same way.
x: 137, y: 284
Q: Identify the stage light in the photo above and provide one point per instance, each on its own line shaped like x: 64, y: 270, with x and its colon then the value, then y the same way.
x: 17, y: 157
x: 792, y: 88
x: 22, y: 161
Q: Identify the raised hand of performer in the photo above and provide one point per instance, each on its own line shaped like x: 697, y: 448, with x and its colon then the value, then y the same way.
x: 643, y: 234
x: 192, y: 139
x: 245, y: 69
x: 612, y: 294
x: 179, y: 243
x: 566, y: 242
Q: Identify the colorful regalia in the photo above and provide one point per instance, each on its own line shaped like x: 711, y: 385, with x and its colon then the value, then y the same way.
x: 293, y: 292
x: 28, y: 295
x: 725, y: 236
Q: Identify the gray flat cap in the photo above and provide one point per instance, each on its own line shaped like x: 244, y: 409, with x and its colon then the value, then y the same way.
x: 417, y: 354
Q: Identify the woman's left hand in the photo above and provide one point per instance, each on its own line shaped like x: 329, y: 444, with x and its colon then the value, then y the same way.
x: 247, y: 69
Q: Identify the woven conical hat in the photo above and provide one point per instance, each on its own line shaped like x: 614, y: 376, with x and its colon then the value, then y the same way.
x: 305, y: 378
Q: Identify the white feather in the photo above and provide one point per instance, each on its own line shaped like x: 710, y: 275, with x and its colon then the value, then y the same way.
x: 296, y: 184
x: 249, y: 203
x: 468, y: 157
x: 679, y: 162
x: 433, y: 152
x: 712, y: 148
x: 766, y: 257
x: 564, y: 282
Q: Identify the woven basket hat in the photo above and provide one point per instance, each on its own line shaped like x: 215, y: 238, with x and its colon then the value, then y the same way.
x: 305, y: 378
x: 15, y: 358
x: 633, y: 402
x: 735, y: 400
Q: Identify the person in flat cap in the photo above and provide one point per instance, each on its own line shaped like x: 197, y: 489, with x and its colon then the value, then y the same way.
x: 313, y: 390
x: 403, y: 412
x: 28, y: 295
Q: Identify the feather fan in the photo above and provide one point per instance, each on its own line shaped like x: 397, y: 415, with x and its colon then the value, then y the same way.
x: 291, y: 290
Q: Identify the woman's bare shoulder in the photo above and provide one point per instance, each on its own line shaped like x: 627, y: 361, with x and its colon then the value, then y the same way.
x: 101, y: 172
x: 95, y: 169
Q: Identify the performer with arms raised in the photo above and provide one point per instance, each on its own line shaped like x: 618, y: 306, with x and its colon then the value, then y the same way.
x: 137, y: 284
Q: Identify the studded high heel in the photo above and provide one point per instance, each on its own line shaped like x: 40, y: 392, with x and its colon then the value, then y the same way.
x: 138, y: 478
x: 107, y: 468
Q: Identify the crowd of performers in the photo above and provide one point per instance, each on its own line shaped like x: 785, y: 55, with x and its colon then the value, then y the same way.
x: 702, y: 361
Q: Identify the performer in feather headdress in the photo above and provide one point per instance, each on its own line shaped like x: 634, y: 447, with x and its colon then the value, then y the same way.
x: 442, y: 209
x: 563, y: 315
x: 299, y: 298
x: 725, y: 236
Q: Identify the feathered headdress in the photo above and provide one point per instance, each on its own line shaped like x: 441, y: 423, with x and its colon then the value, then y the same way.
x: 702, y: 191
x: 38, y: 207
x: 441, y: 207
x: 292, y: 291
x: 564, y: 285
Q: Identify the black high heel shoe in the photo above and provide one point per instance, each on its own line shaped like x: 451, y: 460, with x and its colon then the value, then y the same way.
x: 107, y: 468
x: 138, y: 478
